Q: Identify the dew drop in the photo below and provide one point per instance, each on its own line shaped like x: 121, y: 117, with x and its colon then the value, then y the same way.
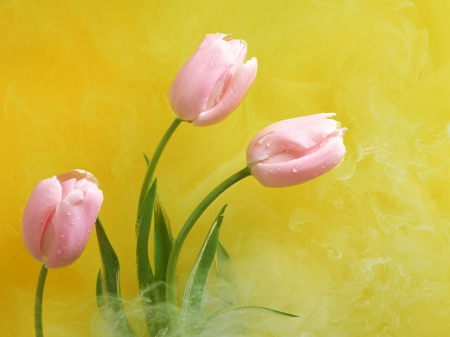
x: 68, y: 213
x: 62, y: 235
x: 295, y: 169
x: 59, y: 251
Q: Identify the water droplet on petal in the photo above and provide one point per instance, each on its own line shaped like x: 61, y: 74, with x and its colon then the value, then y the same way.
x: 68, y: 213
x: 62, y: 235
x: 59, y: 251
x: 295, y: 169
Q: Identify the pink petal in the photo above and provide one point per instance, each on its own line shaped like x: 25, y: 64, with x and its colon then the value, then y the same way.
x: 78, y: 175
x: 67, y: 187
x: 232, y: 96
x: 73, y: 222
x: 298, y: 133
x: 42, y: 202
x: 282, y: 174
x: 191, y: 89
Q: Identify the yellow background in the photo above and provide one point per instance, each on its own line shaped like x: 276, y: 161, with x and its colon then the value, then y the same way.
x: 361, y: 251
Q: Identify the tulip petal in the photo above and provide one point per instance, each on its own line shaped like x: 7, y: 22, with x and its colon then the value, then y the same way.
x: 232, y: 95
x: 43, y: 200
x: 78, y: 175
x: 296, y: 134
x: 67, y: 187
x: 328, y: 155
x: 73, y: 221
x: 190, y: 91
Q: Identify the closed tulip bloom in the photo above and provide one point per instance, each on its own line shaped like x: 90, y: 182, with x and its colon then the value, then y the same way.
x: 293, y: 151
x: 59, y: 216
x: 213, y: 81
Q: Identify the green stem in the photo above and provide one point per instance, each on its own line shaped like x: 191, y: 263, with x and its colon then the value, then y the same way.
x: 38, y: 302
x: 154, y: 161
x: 190, y: 222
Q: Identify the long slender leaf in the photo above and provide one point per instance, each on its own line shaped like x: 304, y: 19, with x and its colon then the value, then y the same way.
x: 163, y: 242
x: 146, y: 159
x: 227, y: 287
x: 143, y: 224
x: 147, y: 283
x: 241, y: 310
x: 191, y: 308
x: 109, y: 298
x: 101, y: 295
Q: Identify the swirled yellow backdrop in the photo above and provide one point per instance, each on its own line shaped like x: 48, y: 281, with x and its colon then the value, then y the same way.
x: 361, y: 251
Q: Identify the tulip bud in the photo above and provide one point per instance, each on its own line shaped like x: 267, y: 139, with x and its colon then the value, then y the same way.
x: 213, y: 81
x: 59, y: 216
x: 293, y: 151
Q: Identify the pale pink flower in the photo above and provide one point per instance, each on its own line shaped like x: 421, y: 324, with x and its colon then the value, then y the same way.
x: 296, y: 150
x: 59, y: 216
x: 213, y: 82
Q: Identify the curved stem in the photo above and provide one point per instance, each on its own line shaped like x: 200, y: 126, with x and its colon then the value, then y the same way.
x: 190, y: 222
x: 38, y: 302
x: 154, y: 161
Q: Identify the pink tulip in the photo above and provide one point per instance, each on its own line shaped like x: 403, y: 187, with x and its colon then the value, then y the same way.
x: 59, y: 216
x: 213, y: 81
x: 296, y: 150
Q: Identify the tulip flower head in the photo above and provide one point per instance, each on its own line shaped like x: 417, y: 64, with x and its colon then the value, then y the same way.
x: 59, y: 216
x: 293, y: 151
x: 212, y: 83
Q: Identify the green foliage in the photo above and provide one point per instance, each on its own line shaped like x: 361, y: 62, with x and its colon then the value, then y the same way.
x: 109, y: 299
x: 191, y: 308
x: 144, y: 269
x: 163, y: 242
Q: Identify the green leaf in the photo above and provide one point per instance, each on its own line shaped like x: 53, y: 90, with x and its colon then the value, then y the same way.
x: 243, y: 310
x: 110, y: 261
x: 100, y: 295
x: 227, y: 287
x: 191, y: 307
x: 146, y: 159
x: 143, y: 224
x: 163, y: 242
x: 149, y: 289
x: 108, y: 286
